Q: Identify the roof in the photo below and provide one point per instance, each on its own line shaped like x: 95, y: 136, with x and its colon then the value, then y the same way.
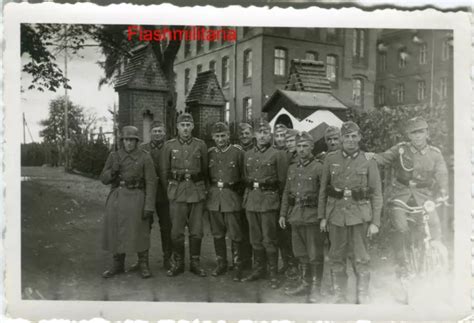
x: 312, y: 100
x: 143, y: 63
x: 206, y: 90
x: 308, y: 76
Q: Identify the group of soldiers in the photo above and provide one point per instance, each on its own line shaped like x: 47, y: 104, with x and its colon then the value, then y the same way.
x: 270, y: 195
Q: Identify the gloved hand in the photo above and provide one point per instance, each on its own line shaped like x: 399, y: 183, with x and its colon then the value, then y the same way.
x: 147, y: 215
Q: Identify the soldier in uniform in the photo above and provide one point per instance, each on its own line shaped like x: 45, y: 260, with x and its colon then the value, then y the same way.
x: 247, y: 142
x: 279, y: 140
x: 131, y: 203
x: 350, y: 203
x: 290, y: 142
x: 332, y: 138
x: 155, y: 148
x: 265, y: 171
x: 184, y: 173
x: 299, y: 207
x: 246, y: 136
x: 224, y: 201
x: 421, y: 174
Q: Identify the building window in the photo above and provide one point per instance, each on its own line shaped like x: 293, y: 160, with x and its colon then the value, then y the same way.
x: 331, y: 68
x: 358, y: 92
x: 247, y: 107
x: 421, y: 90
x: 199, y: 68
x: 400, y: 93
x: 212, y: 66
x: 212, y: 43
x: 444, y: 87
x: 312, y: 56
x: 225, y: 71
x: 359, y: 44
x: 187, y: 79
x: 227, y: 112
x: 446, y: 50
x: 187, y: 48
x: 279, y: 61
x: 422, y: 55
x: 381, y: 95
x: 246, y: 30
x: 247, y: 65
x: 402, y: 59
x: 332, y: 34
x: 383, y: 61
x: 199, y: 46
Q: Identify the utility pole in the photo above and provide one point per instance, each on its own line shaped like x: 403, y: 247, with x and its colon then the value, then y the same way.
x: 24, y: 126
x: 66, y: 128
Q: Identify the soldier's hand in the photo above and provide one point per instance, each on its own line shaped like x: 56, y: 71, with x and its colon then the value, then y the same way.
x: 282, y: 222
x: 369, y: 156
x: 323, y: 225
x: 373, y: 230
x: 147, y: 215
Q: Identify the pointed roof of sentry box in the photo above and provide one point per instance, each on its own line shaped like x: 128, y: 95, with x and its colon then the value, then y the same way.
x: 142, y: 71
x: 308, y: 76
x: 206, y: 90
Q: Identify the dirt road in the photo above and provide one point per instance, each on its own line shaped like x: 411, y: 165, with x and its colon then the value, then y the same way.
x: 62, y: 258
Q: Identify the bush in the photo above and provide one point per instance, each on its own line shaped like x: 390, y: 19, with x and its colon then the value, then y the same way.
x: 89, y: 157
x: 39, y: 154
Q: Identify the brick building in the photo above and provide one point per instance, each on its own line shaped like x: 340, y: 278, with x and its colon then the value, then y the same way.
x: 414, y: 67
x: 252, y: 68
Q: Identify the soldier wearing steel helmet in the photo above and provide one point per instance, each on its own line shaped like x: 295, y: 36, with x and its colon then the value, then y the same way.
x: 224, y: 200
x: 184, y: 174
x: 131, y: 203
x: 350, y: 204
x: 420, y: 174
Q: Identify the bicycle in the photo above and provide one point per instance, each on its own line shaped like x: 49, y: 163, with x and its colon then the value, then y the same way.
x: 424, y: 255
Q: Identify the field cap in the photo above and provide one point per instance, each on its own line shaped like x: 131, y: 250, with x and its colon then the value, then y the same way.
x: 219, y: 127
x: 416, y: 123
x: 348, y: 127
x: 185, y: 117
x: 129, y: 132
x: 304, y: 137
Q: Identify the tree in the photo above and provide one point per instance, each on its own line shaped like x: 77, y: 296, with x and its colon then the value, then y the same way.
x: 53, y: 131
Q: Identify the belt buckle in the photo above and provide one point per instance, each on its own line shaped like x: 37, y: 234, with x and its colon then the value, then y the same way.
x: 220, y: 184
x: 412, y: 183
x: 347, y: 193
x: 187, y: 177
x: 255, y: 185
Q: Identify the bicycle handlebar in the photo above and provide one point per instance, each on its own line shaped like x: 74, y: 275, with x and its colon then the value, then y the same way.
x: 428, y: 206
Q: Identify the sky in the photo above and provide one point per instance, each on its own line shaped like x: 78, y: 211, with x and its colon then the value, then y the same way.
x: 84, y: 75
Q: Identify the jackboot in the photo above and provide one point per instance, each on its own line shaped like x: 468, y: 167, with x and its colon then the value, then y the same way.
x: 317, y: 279
x: 259, y: 267
x: 363, y: 281
x: 273, y: 269
x: 177, y: 266
x: 304, y: 282
x: 195, y: 254
x: 237, y: 259
x: 340, y: 286
x: 143, y: 264
x: 231, y: 265
x: 167, y: 248
x: 118, y: 266
x: 167, y: 260
x: 221, y: 256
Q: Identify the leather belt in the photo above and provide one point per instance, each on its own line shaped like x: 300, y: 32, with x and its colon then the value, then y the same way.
x: 414, y: 184
x: 357, y: 194
x: 187, y: 177
x: 133, y: 184
x: 308, y: 201
x: 270, y: 186
x: 221, y: 185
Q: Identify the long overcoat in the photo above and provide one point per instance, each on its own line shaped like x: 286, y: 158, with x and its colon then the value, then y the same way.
x: 133, y: 190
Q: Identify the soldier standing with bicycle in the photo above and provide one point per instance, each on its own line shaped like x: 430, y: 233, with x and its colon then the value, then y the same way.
x: 350, y: 203
x: 420, y: 174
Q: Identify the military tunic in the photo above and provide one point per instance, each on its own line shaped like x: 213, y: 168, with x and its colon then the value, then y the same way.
x: 184, y: 174
x: 419, y: 174
x: 133, y: 191
x: 349, y: 218
x: 224, y: 201
x: 299, y: 208
x: 162, y: 203
x: 265, y: 171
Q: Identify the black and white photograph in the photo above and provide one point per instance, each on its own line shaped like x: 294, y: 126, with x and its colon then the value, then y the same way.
x: 199, y: 164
